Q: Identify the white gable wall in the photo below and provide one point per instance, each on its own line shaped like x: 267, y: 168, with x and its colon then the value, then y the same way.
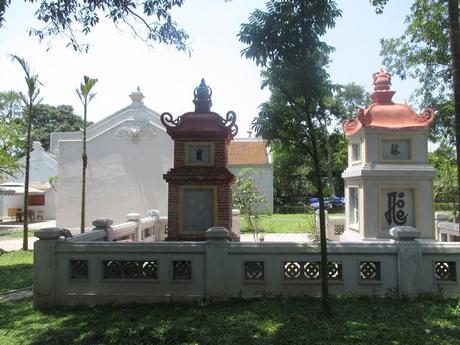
x: 125, y: 170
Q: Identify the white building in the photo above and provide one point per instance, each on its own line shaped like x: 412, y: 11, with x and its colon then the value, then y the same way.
x: 42, y: 166
x: 128, y: 153
x: 252, y: 153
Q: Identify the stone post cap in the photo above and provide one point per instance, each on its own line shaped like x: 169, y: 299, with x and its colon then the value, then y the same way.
x: 133, y: 217
x: 102, y: 223
x: 217, y: 233
x: 153, y: 213
x: 52, y: 234
x: 236, y: 212
x: 404, y: 233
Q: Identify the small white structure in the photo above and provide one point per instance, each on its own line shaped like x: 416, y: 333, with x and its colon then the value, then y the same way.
x: 128, y: 153
x: 42, y: 198
x: 388, y: 181
x: 253, y: 153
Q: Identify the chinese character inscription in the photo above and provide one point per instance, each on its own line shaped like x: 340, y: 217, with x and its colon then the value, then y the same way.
x: 396, y: 150
x: 395, y: 210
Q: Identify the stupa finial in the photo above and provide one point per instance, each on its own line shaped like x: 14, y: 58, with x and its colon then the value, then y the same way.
x: 382, y: 80
x: 382, y: 93
x: 202, y: 98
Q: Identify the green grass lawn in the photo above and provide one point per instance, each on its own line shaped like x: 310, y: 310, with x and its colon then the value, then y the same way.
x: 279, y: 223
x: 15, y: 270
x: 264, y: 321
x: 15, y: 234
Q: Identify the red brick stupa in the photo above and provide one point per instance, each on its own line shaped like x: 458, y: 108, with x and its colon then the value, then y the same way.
x: 199, y: 185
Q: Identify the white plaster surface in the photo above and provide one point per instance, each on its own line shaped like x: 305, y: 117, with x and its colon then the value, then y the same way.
x: 128, y: 153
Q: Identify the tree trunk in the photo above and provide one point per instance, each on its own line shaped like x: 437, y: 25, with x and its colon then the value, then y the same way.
x: 25, y: 237
x: 322, y: 218
x: 83, y: 179
x: 454, y: 38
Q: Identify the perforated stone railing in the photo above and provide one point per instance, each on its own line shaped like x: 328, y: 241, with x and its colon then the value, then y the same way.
x: 446, y: 231
x: 136, y: 229
x: 69, y: 272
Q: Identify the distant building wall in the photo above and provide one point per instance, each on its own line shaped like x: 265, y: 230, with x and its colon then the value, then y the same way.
x: 263, y: 178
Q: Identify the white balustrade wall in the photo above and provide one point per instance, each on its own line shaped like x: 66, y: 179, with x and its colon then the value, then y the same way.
x: 90, y: 269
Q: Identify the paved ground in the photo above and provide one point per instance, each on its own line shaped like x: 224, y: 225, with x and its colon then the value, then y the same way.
x: 10, y: 244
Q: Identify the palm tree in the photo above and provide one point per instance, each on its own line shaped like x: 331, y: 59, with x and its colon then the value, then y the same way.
x: 30, y: 100
x: 85, y: 95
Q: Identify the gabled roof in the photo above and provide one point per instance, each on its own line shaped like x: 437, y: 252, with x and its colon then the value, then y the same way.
x: 248, y: 152
x: 134, y: 112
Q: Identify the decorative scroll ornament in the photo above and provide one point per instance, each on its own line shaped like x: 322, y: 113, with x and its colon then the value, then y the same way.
x: 350, y: 125
x: 230, y: 122
x: 167, y: 120
x: 365, y: 116
x: 427, y: 116
x: 137, y: 130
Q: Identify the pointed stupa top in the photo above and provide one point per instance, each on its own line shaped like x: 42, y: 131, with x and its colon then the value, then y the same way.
x: 201, y: 124
x: 382, y: 93
x: 137, y: 96
x: 202, y: 98
x: 384, y: 114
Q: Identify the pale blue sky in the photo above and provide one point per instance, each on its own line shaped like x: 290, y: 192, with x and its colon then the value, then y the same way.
x: 167, y: 77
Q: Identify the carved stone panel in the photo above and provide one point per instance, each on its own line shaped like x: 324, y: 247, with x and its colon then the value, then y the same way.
x: 198, y: 209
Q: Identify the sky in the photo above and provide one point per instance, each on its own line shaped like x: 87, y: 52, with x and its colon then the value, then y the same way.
x: 167, y: 77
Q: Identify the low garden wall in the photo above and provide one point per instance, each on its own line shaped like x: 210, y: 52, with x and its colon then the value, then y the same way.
x: 84, y: 270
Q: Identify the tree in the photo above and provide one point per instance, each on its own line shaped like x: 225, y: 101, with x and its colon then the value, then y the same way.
x: 10, y: 147
x: 429, y: 51
x: 10, y: 106
x: 30, y: 100
x: 11, y: 139
x: 149, y: 20
x: 48, y: 119
x: 247, y: 197
x: 85, y: 95
x: 445, y: 185
x: 285, y: 42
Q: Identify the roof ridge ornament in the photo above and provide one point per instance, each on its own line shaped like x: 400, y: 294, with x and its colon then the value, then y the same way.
x: 382, y: 93
x: 202, y: 98
x: 137, y: 96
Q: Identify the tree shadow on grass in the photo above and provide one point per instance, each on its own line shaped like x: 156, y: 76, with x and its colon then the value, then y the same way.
x: 15, y: 277
x: 262, y: 321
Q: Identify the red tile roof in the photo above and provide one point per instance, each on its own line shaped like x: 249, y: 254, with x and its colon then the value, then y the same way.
x: 251, y: 152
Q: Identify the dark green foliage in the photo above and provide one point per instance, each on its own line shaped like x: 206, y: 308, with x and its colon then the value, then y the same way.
x: 149, y: 20
x: 287, y: 321
x: 445, y: 185
x: 12, y: 140
x: 48, y: 119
